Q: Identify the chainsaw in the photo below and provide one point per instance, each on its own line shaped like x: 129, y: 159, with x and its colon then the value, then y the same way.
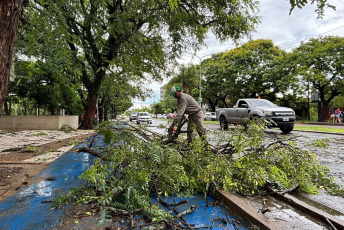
x: 175, y: 131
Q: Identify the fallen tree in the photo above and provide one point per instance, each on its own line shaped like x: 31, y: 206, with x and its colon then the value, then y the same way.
x: 135, y: 166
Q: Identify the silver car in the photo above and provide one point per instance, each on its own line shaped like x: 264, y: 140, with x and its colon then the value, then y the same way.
x: 144, y: 117
x: 133, y: 116
x: 210, y: 116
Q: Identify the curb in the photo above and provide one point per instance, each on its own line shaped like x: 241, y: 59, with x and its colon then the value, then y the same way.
x: 323, y: 216
x: 240, y: 208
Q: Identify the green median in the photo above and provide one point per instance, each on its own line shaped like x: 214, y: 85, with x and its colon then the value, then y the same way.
x: 305, y: 128
x: 319, y: 129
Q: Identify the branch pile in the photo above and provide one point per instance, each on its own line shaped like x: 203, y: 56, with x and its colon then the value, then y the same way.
x: 135, y: 166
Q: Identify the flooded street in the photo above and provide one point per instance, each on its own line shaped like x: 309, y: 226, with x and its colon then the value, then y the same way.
x: 329, y: 149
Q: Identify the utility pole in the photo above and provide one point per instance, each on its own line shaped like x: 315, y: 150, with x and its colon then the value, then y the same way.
x: 200, y: 77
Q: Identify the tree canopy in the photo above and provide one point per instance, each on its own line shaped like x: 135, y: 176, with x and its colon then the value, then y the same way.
x: 254, y: 69
x: 321, y: 5
x: 47, y: 89
x: 92, y: 38
x: 321, y: 62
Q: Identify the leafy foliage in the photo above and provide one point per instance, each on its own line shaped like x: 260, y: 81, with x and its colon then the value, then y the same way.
x: 257, y: 68
x: 36, y: 82
x: 321, y: 143
x: 320, y: 62
x: 321, y: 4
x: 67, y: 128
x: 132, y: 169
x: 90, y: 39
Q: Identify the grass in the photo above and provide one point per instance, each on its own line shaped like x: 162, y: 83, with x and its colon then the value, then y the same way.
x: 319, y: 129
x: 211, y: 122
x: 39, y: 134
x: 304, y: 128
x: 298, y: 127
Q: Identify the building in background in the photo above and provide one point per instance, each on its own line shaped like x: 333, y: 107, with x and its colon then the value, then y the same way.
x: 162, y: 92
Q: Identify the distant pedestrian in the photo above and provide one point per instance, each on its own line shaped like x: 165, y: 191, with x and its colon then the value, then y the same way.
x: 337, y: 112
x: 332, y: 115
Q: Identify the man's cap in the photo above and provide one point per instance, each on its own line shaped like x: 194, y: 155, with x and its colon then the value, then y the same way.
x: 174, y: 89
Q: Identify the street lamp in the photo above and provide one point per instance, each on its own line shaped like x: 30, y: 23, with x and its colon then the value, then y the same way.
x: 200, y: 77
x: 200, y: 84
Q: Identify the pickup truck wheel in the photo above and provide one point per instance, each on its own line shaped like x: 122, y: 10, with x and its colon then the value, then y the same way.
x: 286, y: 129
x: 223, y: 123
x: 254, y: 117
x: 138, y: 122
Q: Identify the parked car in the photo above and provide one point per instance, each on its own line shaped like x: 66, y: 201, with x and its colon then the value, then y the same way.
x: 171, y: 115
x: 160, y: 116
x: 210, y: 116
x: 252, y: 108
x: 144, y: 117
x: 133, y: 116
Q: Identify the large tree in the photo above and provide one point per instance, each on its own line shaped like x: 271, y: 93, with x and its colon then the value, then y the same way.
x: 116, y: 96
x: 215, y: 88
x: 187, y: 79
x: 49, y: 90
x: 254, y: 69
x: 321, y: 63
x: 137, y: 37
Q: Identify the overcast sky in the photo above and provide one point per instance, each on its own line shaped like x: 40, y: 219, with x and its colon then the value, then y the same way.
x: 286, y: 31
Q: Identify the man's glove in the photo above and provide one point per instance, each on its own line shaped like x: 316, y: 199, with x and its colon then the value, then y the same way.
x: 172, y: 129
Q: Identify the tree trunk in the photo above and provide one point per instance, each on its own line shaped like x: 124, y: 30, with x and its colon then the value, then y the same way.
x: 52, y: 110
x: 113, y: 110
x: 101, y: 114
x: 100, y: 110
x: 10, y: 12
x: 106, y: 112
x: 106, y: 109
x: 323, y: 110
x: 5, y: 107
x: 90, y: 111
x: 319, y: 111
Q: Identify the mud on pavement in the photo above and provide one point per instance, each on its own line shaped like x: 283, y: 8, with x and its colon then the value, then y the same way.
x: 23, y: 154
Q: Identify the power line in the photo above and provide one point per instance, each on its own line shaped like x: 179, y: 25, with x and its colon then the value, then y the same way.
x: 312, y: 37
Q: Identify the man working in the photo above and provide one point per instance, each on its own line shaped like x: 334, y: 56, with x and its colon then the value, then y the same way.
x: 188, y: 105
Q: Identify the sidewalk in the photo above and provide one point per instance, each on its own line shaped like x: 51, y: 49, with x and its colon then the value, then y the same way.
x: 29, y: 208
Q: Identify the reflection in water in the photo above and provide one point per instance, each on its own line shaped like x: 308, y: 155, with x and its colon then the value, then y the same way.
x: 41, y: 188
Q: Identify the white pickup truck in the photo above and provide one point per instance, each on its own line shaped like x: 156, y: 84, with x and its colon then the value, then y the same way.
x: 251, y: 108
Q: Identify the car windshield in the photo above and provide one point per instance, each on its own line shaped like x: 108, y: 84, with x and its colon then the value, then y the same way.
x: 261, y: 103
x: 144, y: 114
x: 133, y: 114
